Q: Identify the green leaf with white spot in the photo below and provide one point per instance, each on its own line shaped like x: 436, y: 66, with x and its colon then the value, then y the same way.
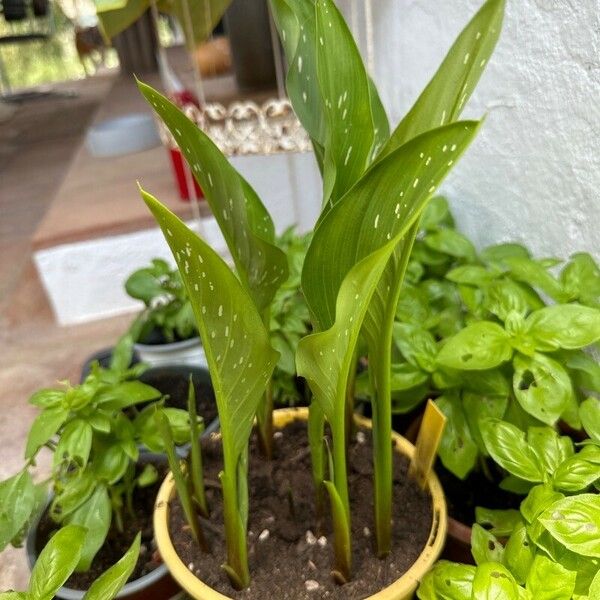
x: 442, y: 101
x: 386, y: 202
x: 244, y: 221
x: 239, y: 355
x: 575, y: 522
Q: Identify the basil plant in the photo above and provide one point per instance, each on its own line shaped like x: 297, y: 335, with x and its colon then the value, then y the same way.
x: 59, y: 559
x: 94, y: 432
x: 550, y: 547
x: 376, y: 184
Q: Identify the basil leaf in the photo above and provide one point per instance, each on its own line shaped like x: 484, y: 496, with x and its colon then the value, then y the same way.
x: 533, y: 273
x: 575, y: 522
x: 575, y: 474
x: 47, y: 398
x: 74, y: 444
x: 539, y: 499
x: 449, y: 241
x: 17, y: 503
x: 108, y: 585
x: 447, y: 581
x: 485, y: 547
x: 458, y: 452
x: 498, y: 253
x: 493, y: 581
x: 94, y: 515
x: 519, y: 553
x: 498, y: 522
x: 471, y: 275
x: 477, y: 407
x: 416, y: 345
x: 437, y: 213
x: 542, y: 387
x: 549, y: 447
x: 479, y: 346
x: 125, y: 394
x: 46, y: 424
x: 568, y: 326
x: 548, y: 580
x: 589, y: 411
x: 507, y: 446
x: 581, y: 278
x: 56, y: 562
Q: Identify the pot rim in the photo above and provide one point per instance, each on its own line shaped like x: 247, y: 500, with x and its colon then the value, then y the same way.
x: 401, y: 588
x: 169, y: 347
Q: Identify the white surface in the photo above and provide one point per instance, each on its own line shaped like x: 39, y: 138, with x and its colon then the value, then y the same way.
x: 533, y: 174
x: 84, y: 280
x: 129, y: 133
x: 187, y: 352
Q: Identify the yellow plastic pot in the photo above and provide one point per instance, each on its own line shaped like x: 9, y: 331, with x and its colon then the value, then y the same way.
x: 403, y: 588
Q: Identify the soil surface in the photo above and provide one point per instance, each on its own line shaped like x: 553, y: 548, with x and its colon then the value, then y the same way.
x: 174, y: 383
x: 117, y: 543
x: 288, y: 557
x: 476, y: 490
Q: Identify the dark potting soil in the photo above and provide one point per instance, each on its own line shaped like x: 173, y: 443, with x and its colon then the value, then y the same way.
x: 462, y: 496
x: 117, y: 543
x: 175, y: 384
x: 288, y: 557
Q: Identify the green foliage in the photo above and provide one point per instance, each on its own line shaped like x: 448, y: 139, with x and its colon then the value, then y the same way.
x: 168, y: 310
x: 94, y: 431
x: 552, y: 548
x: 202, y: 16
x: 58, y: 560
x: 240, y: 360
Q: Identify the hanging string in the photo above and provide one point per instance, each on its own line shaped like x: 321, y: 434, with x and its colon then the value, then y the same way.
x: 370, y: 37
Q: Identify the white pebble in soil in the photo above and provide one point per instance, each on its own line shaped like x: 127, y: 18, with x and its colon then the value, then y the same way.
x: 311, y: 585
x: 361, y: 438
x: 311, y: 540
x: 264, y: 535
x: 191, y: 566
x: 278, y: 435
x: 322, y: 541
x: 367, y: 532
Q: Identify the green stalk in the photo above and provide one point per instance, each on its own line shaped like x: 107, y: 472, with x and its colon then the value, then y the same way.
x: 236, y: 566
x: 380, y: 361
x: 316, y: 434
x: 181, y: 484
x: 264, y: 413
x: 350, y: 398
x: 196, y: 467
x: 264, y: 420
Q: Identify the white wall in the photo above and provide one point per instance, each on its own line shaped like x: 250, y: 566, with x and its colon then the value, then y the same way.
x: 533, y: 174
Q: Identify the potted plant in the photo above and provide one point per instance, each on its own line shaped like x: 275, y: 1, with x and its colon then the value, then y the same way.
x: 99, y: 480
x: 59, y: 559
x: 550, y: 546
x: 372, y: 180
x: 164, y: 332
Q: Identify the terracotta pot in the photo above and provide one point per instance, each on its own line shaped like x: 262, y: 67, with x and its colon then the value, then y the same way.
x: 458, y: 543
x: 402, y: 589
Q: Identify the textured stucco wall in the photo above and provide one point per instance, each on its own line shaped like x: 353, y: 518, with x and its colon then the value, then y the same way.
x: 533, y: 174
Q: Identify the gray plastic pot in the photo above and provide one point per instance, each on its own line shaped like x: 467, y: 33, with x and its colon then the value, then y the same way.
x: 187, y: 352
x: 156, y: 585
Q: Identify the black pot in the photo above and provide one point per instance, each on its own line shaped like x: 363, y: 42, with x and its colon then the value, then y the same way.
x: 173, y: 381
x: 103, y: 357
x: 156, y: 585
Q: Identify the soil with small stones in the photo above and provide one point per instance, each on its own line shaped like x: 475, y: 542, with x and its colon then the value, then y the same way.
x: 288, y: 558
x: 117, y: 543
x: 476, y: 490
x: 174, y: 383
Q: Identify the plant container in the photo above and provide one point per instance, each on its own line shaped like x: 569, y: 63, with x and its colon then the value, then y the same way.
x: 184, y: 352
x: 402, y: 588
